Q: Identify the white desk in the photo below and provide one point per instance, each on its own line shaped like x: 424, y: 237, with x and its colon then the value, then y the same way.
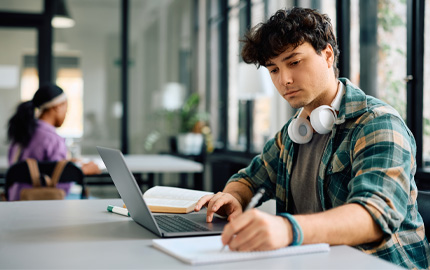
x: 81, y: 234
x: 157, y: 165
x: 143, y: 164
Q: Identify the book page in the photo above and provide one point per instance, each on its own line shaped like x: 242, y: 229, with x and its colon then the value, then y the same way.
x: 174, y: 193
x: 204, y: 250
x: 169, y: 202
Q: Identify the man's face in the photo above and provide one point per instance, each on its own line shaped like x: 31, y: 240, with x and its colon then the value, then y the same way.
x: 303, y: 77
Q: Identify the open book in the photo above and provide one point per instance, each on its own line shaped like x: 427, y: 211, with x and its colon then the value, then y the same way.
x: 172, y: 199
x: 207, y: 249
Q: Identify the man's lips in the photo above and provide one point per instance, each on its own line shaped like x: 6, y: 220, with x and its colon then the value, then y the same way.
x: 291, y: 93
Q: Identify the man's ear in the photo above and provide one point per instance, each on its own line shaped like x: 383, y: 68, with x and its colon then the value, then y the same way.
x: 329, y: 55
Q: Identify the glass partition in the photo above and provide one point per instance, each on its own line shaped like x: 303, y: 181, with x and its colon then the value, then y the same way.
x: 87, y: 67
x: 13, y: 74
x: 161, y: 60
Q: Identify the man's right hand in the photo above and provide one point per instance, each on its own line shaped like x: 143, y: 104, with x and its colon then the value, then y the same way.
x: 221, y: 203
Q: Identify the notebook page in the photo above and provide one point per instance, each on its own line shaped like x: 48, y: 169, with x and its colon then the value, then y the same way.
x: 204, y: 250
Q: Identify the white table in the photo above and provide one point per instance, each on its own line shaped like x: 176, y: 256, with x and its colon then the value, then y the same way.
x: 81, y: 234
x: 143, y: 164
x: 154, y: 164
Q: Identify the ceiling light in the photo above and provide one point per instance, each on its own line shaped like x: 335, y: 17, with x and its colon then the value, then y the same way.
x: 62, y: 18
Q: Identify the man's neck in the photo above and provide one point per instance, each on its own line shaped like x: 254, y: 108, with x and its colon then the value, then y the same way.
x: 325, y: 98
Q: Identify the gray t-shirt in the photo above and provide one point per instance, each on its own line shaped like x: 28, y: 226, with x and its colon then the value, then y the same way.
x: 303, y: 184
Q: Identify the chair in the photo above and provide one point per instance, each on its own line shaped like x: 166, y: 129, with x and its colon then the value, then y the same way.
x: 423, y: 201
x: 20, y: 173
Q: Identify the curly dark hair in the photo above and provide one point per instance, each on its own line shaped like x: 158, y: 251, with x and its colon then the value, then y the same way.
x: 289, y: 27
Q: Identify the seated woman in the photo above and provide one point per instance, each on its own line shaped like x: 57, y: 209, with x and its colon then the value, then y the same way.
x: 32, y: 134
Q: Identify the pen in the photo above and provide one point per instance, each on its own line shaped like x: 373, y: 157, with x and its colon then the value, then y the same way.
x: 118, y: 210
x: 254, y: 200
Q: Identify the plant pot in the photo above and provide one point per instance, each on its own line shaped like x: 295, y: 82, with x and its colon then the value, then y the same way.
x: 190, y: 143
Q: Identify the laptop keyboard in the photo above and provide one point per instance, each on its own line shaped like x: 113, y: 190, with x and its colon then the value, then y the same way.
x: 175, y: 223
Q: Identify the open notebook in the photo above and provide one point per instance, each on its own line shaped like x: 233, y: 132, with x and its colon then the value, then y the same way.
x: 205, y: 250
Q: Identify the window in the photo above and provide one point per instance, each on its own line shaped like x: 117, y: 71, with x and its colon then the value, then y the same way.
x: 255, y: 111
x: 378, y: 50
x: 378, y: 65
x: 161, y: 51
x: 392, y: 54
x: 237, y: 121
x: 426, y: 112
x: 355, y: 43
x: 265, y: 124
x: 216, y: 71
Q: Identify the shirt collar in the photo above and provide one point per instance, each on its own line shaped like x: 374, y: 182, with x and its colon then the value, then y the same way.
x: 354, y: 102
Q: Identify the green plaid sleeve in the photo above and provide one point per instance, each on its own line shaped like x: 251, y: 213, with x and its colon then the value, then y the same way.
x: 383, y: 166
x: 263, y: 169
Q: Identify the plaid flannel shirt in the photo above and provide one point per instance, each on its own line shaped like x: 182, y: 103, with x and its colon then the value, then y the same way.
x: 370, y: 160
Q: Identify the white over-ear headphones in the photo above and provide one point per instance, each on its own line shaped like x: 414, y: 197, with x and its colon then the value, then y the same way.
x: 322, y: 120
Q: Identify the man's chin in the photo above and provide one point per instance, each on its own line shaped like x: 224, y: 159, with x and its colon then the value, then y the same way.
x: 296, y: 105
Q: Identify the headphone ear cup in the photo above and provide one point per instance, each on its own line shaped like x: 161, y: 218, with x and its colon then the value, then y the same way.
x: 322, y: 119
x: 300, y: 130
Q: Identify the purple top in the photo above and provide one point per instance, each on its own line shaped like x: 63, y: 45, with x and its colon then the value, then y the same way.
x: 45, y: 145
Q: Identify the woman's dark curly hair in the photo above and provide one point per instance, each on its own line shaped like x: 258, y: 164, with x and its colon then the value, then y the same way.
x: 288, y: 28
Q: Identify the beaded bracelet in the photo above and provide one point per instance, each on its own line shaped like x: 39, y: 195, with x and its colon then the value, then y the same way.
x: 297, y: 230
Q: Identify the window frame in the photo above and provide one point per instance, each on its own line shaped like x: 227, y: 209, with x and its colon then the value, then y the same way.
x: 42, y: 22
x: 415, y: 85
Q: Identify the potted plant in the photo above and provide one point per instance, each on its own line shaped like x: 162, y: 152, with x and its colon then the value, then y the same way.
x: 188, y: 127
x: 191, y: 126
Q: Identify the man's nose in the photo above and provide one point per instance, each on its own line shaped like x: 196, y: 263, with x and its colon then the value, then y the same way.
x: 285, y: 78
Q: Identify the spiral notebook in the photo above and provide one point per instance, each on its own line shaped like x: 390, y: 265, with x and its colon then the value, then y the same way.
x: 207, y: 249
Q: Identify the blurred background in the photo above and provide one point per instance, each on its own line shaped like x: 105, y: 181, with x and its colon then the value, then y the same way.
x: 138, y: 73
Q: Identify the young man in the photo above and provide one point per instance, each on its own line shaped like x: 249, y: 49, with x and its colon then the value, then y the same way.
x: 345, y: 176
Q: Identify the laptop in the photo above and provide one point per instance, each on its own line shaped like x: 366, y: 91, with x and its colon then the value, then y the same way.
x: 164, y: 225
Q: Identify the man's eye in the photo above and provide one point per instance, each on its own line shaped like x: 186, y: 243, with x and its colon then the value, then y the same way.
x: 295, y: 63
x: 273, y: 71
